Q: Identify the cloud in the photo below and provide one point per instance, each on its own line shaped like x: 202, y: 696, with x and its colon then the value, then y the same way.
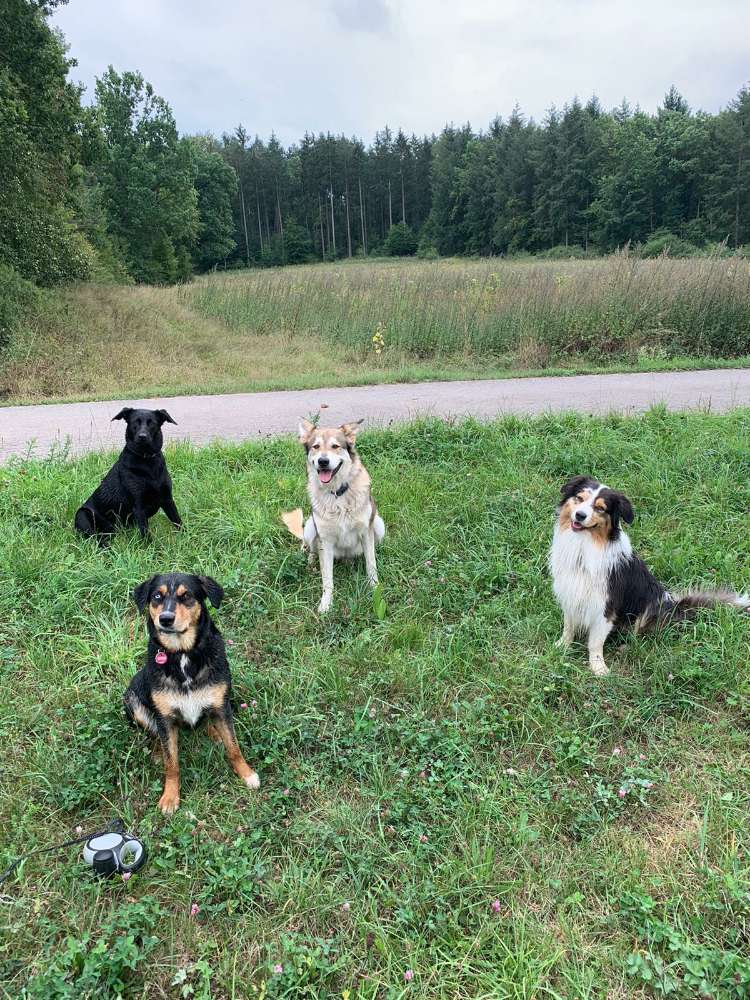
x: 354, y: 65
x: 363, y: 15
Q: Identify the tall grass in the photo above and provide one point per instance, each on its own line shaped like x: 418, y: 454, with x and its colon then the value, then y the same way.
x: 535, y: 313
x: 299, y: 327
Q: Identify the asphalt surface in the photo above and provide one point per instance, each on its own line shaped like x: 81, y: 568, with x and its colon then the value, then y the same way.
x: 84, y: 427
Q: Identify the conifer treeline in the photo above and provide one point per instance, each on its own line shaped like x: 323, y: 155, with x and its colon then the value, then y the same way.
x: 582, y: 177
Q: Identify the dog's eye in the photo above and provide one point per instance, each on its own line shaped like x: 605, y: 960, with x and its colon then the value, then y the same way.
x: 334, y: 445
x: 315, y: 447
x: 157, y: 598
x: 579, y: 498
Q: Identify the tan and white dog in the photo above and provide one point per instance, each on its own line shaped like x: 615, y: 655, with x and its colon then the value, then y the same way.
x: 344, y: 520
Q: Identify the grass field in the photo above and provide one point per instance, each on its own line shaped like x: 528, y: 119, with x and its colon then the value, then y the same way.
x: 451, y: 806
x: 303, y: 327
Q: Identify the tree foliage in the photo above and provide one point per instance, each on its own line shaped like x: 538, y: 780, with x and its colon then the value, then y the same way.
x: 112, y: 190
x: 400, y: 241
x: 147, y: 177
x: 39, y: 144
x: 216, y: 186
x: 583, y: 180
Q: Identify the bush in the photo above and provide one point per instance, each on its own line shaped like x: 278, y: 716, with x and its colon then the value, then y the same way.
x: 427, y: 249
x: 561, y: 252
x: 44, y: 246
x: 297, y: 246
x: 165, y: 265
x: 17, y: 297
x: 109, y: 255
x: 401, y: 241
x: 668, y: 244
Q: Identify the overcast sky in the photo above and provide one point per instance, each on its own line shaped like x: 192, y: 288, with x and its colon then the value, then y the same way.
x: 352, y: 65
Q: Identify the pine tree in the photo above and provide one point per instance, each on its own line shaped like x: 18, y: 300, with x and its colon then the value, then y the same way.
x: 728, y: 194
x: 216, y: 185
x: 147, y: 177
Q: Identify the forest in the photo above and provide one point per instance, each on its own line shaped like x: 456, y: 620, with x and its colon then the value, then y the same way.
x: 111, y: 190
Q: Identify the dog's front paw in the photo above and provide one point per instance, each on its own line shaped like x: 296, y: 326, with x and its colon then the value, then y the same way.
x: 213, y: 733
x: 169, y: 802
x: 563, y: 642
x: 325, y: 603
x: 252, y: 780
x: 599, y: 668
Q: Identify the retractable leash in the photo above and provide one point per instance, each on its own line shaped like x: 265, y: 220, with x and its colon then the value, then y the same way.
x: 107, y: 851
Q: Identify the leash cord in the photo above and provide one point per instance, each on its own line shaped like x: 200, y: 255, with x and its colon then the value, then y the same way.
x: 116, y: 826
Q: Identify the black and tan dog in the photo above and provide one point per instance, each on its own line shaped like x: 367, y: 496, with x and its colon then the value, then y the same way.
x: 186, y: 676
x: 137, y: 485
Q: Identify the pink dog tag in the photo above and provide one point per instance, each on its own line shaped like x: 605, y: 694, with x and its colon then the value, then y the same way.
x: 161, y: 657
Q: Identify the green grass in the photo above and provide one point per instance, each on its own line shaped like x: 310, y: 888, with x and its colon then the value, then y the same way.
x: 313, y: 326
x: 415, y: 769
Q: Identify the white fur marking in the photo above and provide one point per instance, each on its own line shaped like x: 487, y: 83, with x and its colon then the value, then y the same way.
x: 580, y: 573
x: 191, y: 706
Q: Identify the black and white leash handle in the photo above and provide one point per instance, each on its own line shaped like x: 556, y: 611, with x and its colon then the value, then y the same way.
x: 114, y: 850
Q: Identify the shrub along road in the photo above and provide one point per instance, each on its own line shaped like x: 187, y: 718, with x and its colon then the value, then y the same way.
x: 86, y: 427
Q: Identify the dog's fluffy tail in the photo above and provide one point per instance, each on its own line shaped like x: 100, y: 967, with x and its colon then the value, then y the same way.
x: 675, y: 609
x: 293, y: 519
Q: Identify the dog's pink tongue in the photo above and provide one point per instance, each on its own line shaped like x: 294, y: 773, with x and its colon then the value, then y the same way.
x: 325, y: 475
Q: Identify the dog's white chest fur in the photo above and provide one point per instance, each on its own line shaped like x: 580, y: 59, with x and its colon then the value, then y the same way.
x: 191, y: 705
x: 580, y: 574
x: 343, y: 522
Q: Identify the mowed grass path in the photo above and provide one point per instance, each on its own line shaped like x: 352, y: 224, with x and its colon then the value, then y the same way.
x: 312, y: 326
x: 441, y: 788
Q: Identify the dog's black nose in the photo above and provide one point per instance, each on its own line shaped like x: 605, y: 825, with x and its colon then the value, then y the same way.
x: 143, y: 436
x: 166, y: 618
x: 580, y: 516
x: 323, y: 463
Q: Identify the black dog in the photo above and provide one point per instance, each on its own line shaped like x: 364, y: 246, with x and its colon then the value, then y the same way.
x: 186, y: 676
x: 137, y: 485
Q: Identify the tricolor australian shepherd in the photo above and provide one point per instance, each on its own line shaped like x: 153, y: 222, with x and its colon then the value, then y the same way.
x: 600, y: 583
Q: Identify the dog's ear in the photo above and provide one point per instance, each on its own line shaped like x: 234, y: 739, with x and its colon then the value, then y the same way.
x: 124, y: 413
x: 141, y: 592
x: 351, y: 430
x: 213, y: 590
x: 304, y: 430
x: 572, y: 486
x: 619, y: 507
x: 164, y: 417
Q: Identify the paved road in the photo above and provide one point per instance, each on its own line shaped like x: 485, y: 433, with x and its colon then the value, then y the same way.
x: 239, y: 417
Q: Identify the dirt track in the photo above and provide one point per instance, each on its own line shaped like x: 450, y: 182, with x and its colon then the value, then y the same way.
x: 201, y: 419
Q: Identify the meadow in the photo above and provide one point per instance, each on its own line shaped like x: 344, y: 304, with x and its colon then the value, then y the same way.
x: 451, y: 806
x: 361, y: 322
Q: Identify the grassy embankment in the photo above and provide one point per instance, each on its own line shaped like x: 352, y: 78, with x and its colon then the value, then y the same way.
x: 314, y: 325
